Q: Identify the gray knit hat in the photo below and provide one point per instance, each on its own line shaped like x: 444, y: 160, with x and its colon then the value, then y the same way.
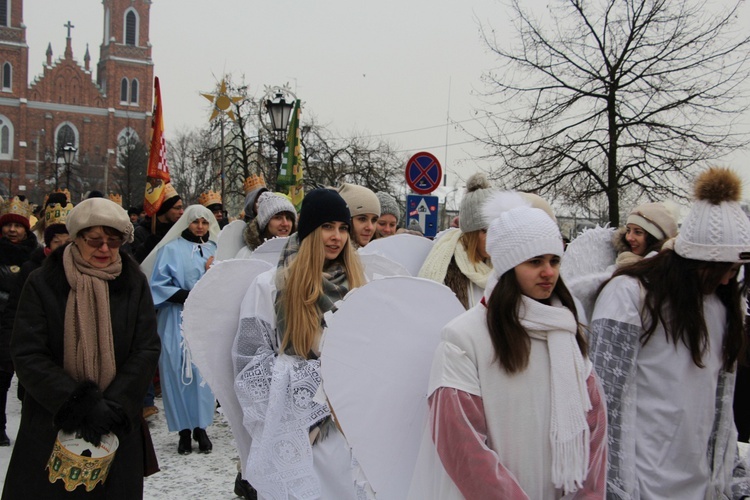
x: 388, y: 205
x: 470, y: 216
x: 99, y: 212
x: 270, y: 204
x: 360, y: 199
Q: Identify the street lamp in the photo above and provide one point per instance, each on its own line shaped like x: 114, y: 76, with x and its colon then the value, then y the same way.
x: 69, y: 154
x: 279, y: 111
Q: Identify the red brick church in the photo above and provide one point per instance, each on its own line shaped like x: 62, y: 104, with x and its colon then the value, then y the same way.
x: 66, y: 106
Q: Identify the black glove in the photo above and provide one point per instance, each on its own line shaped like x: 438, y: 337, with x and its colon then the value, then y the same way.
x: 104, y: 417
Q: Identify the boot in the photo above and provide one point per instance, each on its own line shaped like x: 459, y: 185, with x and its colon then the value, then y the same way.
x: 4, y: 439
x: 204, y: 444
x: 185, y: 447
x: 243, y: 489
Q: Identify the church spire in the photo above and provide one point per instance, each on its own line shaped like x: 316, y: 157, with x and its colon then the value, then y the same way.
x: 49, y: 54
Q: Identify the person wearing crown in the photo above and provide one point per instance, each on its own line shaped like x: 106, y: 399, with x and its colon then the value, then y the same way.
x: 169, y: 212
x: 212, y: 201
x: 253, y: 187
x: 55, y: 235
x: 16, y: 245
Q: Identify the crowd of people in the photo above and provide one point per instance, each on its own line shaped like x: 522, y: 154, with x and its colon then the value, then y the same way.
x: 626, y: 382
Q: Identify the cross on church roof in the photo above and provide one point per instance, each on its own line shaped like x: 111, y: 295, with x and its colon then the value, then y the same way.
x: 68, y: 25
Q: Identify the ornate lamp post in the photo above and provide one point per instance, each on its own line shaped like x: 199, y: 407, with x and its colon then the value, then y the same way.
x: 278, y: 111
x: 69, y: 153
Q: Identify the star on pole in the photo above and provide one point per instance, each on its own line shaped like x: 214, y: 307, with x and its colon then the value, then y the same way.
x: 222, y: 102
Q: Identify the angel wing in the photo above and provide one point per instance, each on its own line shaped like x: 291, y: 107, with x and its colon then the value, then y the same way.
x: 230, y: 240
x: 209, y: 325
x: 376, y: 373
x: 405, y: 249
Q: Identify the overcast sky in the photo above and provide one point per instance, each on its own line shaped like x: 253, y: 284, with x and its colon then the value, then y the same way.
x: 393, y: 67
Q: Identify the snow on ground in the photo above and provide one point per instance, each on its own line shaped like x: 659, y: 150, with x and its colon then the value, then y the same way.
x: 196, y: 475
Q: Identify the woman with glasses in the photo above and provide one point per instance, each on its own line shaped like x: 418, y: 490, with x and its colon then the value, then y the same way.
x: 85, y: 347
x: 181, y: 258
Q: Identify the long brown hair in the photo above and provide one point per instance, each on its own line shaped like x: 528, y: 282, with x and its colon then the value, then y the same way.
x: 675, y: 287
x: 509, y: 338
x: 304, y: 285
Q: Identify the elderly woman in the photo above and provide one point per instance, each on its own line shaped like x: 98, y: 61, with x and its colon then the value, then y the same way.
x: 85, y: 347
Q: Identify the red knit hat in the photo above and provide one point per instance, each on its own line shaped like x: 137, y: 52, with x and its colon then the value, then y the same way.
x: 15, y: 210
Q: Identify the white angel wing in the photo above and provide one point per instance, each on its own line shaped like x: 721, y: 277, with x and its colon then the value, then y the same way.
x: 209, y: 325
x: 270, y: 250
x: 405, y: 249
x: 375, y: 373
x: 230, y: 240
x: 378, y: 266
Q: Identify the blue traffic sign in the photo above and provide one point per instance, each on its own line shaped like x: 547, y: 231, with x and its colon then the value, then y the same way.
x: 423, y: 173
x: 423, y: 209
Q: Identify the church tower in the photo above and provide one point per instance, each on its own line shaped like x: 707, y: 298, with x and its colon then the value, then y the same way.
x: 14, y: 53
x: 125, y: 72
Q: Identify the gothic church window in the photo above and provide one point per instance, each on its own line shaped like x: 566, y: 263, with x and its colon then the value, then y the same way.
x: 124, y: 90
x: 4, y: 8
x: 131, y: 28
x: 6, y: 138
x: 66, y: 134
x: 7, y: 76
x: 134, y: 91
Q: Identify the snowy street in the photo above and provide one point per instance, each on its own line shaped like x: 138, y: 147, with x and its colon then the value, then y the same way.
x: 196, y: 475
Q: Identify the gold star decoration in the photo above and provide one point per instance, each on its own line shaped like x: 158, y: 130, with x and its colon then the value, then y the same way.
x: 222, y: 102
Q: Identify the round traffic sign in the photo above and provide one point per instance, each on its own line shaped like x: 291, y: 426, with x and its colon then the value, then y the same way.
x: 423, y: 173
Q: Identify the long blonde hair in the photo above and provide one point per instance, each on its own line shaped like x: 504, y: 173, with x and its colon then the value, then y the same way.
x: 470, y: 242
x: 304, y: 285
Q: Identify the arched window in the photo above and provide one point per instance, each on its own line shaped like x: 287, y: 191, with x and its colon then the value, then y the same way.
x: 4, y: 11
x: 131, y: 27
x: 7, y: 75
x: 6, y: 138
x: 124, y: 90
x: 134, y: 91
x: 66, y: 134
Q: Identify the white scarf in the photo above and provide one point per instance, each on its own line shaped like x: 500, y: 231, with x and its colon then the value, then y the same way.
x: 569, y: 430
x: 449, y: 246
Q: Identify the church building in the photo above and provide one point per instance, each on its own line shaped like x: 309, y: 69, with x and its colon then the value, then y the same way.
x: 66, y: 108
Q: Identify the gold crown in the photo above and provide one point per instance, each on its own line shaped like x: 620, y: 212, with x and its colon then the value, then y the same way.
x: 209, y: 198
x: 56, y: 214
x: 67, y: 463
x: 253, y: 182
x: 117, y: 198
x: 169, y: 191
x: 16, y: 207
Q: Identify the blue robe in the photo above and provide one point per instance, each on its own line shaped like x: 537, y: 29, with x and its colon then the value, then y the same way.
x: 188, y: 400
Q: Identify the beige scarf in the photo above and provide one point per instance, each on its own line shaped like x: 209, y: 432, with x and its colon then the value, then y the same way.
x: 89, y: 352
x: 446, y: 248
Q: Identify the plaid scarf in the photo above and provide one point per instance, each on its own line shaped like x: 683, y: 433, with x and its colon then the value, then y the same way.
x: 335, y: 285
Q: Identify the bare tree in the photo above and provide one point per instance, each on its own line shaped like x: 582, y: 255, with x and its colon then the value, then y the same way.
x: 191, y: 159
x: 132, y: 161
x: 615, y: 95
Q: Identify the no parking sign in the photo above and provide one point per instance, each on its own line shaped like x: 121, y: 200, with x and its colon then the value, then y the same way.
x: 423, y: 173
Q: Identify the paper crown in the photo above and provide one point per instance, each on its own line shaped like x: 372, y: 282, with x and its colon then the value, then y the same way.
x: 253, y: 182
x: 117, y: 198
x: 63, y: 191
x: 79, y: 463
x: 56, y: 214
x: 169, y: 191
x: 209, y: 198
x: 15, y: 206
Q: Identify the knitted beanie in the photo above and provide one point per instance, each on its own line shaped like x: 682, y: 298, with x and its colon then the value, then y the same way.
x: 388, y: 205
x: 360, y: 199
x: 270, y: 204
x: 99, y: 212
x: 655, y: 218
x: 539, y: 202
x: 517, y: 232
x: 320, y: 206
x: 470, y: 216
x: 170, y: 199
x: 716, y: 229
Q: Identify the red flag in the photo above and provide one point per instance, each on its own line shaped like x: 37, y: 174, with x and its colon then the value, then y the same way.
x: 157, y: 175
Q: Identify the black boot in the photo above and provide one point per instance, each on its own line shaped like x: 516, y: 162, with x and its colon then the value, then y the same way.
x: 204, y: 444
x: 185, y: 447
x: 243, y: 489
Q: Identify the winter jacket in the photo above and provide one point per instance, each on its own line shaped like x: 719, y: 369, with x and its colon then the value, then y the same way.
x: 37, y: 350
x: 144, y: 241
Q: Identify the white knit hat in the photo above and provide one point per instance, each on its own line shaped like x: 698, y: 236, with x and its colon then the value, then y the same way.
x: 716, y: 229
x: 518, y: 232
x: 270, y: 204
x: 470, y: 215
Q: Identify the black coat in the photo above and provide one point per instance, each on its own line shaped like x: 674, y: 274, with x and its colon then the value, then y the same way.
x: 37, y: 350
